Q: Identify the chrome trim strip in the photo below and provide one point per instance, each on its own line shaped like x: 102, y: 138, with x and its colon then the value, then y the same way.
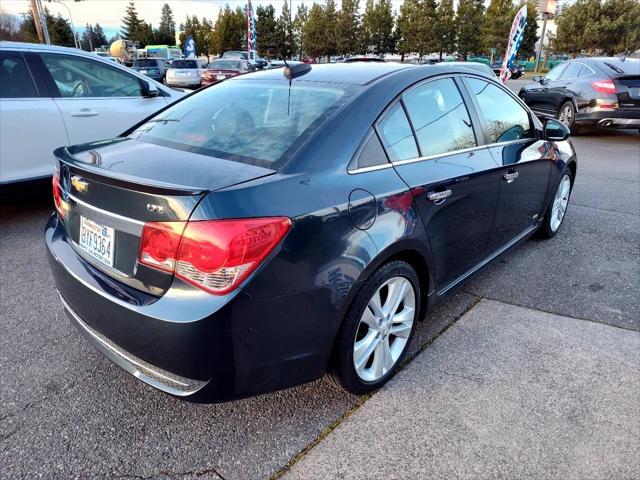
x: 372, y: 168
x: 440, y: 155
x: 104, y: 212
x: 150, y: 374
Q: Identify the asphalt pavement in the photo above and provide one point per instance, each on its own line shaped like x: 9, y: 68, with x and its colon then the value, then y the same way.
x: 65, y: 411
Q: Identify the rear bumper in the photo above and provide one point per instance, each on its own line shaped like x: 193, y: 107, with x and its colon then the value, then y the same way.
x: 191, y: 344
x: 183, y: 82
x: 614, y: 118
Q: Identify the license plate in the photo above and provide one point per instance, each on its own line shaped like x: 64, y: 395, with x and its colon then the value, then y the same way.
x: 220, y: 77
x: 144, y: 72
x: 183, y: 74
x: 97, y: 240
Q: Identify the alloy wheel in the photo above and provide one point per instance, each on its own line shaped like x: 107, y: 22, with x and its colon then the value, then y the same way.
x: 566, y: 115
x: 560, y: 202
x: 384, y: 329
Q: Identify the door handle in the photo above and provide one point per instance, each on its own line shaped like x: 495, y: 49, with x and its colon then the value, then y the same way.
x: 439, y: 197
x: 510, y: 176
x: 85, y: 112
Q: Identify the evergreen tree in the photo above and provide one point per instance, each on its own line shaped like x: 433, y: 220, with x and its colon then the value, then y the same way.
x: 285, y: 37
x: 60, y: 32
x: 496, y: 26
x: 620, y: 26
x: 266, y: 34
x: 330, y: 31
x: 468, y: 20
x: 445, y: 28
x: 100, y: 37
x: 299, y: 25
x: 579, y: 27
x: 377, y: 27
x: 131, y: 23
x: 348, y: 28
x: 229, y: 31
x: 167, y: 28
x: 314, y: 45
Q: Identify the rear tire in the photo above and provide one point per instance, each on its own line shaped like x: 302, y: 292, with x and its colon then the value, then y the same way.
x: 554, y: 216
x: 377, y: 330
x: 567, y: 115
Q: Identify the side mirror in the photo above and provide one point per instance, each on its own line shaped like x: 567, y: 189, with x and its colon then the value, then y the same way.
x: 538, y: 78
x: 149, y: 90
x: 555, y: 130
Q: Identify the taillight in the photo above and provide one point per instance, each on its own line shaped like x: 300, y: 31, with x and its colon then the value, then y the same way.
x: 216, y: 255
x: 57, y: 193
x: 604, y: 86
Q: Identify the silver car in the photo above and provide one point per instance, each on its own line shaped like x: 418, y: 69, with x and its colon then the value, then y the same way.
x: 185, y: 73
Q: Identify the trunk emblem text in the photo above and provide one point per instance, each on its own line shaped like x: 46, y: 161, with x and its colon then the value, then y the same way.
x: 155, y: 208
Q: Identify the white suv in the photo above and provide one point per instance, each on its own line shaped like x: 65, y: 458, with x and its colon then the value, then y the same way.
x: 53, y: 96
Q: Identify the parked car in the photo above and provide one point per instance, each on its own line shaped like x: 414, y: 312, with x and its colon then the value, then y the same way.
x: 480, y: 67
x: 155, y: 68
x: 53, y: 96
x: 258, y: 62
x: 364, y: 58
x: 601, y: 91
x: 515, y: 70
x: 185, y: 73
x: 255, y: 235
x: 281, y: 64
x: 222, y: 69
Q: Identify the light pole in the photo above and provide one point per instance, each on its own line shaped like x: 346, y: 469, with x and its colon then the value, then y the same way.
x: 548, y: 8
x: 73, y: 30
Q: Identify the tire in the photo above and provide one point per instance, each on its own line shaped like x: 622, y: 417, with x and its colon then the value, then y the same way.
x: 370, y: 333
x: 567, y: 115
x: 550, y: 225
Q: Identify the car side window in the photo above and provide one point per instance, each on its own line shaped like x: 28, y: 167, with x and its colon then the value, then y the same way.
x: 505, y: 119
x: 571, y: 71
x: 15, y: 78
x: 555, y: 72
x: 371, y: 154
x: 439, y: 117
x: 397, y: 136
x: 585, y: 71
x: 82, y: 77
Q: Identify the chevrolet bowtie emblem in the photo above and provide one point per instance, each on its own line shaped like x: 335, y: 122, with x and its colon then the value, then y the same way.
x: 79, y: 184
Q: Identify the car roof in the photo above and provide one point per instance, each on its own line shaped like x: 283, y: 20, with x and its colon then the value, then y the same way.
x: 354, y: 73
x: 44, y: 48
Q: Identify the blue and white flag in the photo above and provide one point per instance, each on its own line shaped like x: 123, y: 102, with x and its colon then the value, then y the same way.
x: 515, y: 40
x: 189, y: 48
x: 251, y: 32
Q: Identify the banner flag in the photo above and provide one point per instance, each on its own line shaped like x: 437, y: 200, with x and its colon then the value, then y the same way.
x: 251, y: 33
x: 515, y: 40
x: 189, y: 47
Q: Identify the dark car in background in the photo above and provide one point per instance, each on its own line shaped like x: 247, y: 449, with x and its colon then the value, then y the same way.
x: 221, y: 69
x: 258, y: 234
x: 258, y: 62
x: 477, y: 66
x: 516, y: 71
x: 364, y: 58
x: 601, y: 91
x: 155, y: 68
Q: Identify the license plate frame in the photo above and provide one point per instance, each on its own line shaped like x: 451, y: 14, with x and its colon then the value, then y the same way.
x: 220, y: 77
x: 97, y: 240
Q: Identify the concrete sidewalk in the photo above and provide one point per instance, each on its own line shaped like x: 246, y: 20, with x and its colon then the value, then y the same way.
x: 506, y: 392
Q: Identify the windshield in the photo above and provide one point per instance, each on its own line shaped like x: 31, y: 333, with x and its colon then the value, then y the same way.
x: 145, y: 63
x: 247, y: 121
x: 225, y: 64
x: 184, y: 64
x: 626, y: 66
x: 235, y: 55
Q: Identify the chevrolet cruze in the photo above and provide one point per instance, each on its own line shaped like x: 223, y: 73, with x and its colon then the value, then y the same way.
x: 279, y: 226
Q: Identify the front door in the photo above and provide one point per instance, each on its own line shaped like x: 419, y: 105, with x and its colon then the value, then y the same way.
x: 525, y: 161
x: 97, y: 100
x: 454, y: 182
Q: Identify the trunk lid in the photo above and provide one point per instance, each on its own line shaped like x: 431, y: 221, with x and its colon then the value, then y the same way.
x: 115, y: 187
x: 628, y: 90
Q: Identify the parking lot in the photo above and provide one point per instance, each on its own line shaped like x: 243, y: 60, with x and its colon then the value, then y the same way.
x: 67, y: 411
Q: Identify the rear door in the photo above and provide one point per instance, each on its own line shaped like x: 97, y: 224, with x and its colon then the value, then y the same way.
x: 97, y: 100
x: 430, y: 139
x: 31, y: 126
x: 525, y: 161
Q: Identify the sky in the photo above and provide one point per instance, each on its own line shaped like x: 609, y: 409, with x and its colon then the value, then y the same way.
x: 109, y: 12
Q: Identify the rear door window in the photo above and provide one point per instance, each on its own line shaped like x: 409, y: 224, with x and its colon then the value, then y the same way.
x: 15, y: 78
x: 397, y: 136
x: 571, y: 72
x: 556, y: 72
x: 439, y: 117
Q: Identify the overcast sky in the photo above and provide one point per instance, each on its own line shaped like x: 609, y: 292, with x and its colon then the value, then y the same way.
x: 109, y: 12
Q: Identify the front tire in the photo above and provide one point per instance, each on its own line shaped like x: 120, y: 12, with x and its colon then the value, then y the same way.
x: 377, y: 329
x: 556, y: 210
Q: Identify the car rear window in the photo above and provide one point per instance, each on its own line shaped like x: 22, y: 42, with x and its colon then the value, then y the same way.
x: 145, y: 63
x: 628, y: 66
x: 225, y: 64
x: 256, y: 122
x: 184, y: 64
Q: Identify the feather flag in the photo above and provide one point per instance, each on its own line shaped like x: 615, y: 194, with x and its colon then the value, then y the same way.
x: 189, y: 48
x: 251, y: 33
x: 515, y: 40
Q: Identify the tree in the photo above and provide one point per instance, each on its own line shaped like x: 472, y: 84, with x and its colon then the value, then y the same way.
x: 445, y: 28
x: 330, y: 33
x: 578, y: 27
x: 100, y: 37
x: 10, y: 27
x: 348, y: 28
x: 60, y: 32
x: 416, y: 29
x: 468, y: 19
x: 299, y: 26
x: 131, y: 23
x: 229, y: 31
x: 620, y: 26
x: 266, y: 34
x: 92, y: 37
x: 285, y: 38
x: 496, y: 26
x: 314, y: 30
x: 530, y: 38
x: 167, y: 28
x: 377, y: 27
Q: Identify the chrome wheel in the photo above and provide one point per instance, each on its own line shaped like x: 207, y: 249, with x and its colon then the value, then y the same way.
x: 560, y: 202
x: 384, y: 329
x: 566, y: 114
